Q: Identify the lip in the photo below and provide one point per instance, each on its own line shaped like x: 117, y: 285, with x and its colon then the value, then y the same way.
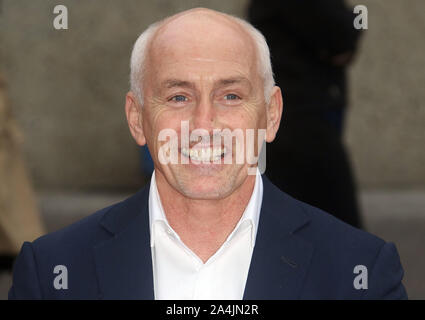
x: 209, y: 163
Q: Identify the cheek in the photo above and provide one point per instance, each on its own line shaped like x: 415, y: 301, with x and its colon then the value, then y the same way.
x: 160, y: 123
x: 247, y: 116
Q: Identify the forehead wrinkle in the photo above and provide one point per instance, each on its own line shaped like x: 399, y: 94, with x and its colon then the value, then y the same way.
x: 232, y: 80
x: 175, y: 82
x: 172, y: 83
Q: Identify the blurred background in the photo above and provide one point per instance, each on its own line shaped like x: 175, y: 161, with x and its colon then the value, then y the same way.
x: 64, y: 92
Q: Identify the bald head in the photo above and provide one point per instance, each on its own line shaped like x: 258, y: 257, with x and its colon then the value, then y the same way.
x: 200, y: 34
x: 204, y: 19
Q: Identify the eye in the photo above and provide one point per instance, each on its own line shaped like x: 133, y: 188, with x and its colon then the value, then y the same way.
x: 179, y: 98
x: 231, y: 96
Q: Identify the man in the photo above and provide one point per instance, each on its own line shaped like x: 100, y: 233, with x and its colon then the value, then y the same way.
x: 208, y: 226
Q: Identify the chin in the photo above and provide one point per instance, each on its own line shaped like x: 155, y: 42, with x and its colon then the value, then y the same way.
x: 206, y: 183
x: 206, y: 190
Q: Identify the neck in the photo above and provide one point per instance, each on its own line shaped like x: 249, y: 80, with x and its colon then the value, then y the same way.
x: 204, y: 225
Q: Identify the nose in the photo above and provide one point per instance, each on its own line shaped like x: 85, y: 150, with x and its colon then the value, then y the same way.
x: 204, y: 115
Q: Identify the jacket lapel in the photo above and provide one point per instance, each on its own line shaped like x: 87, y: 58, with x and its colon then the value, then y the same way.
x: 281, y: 258
x: 124, y: 262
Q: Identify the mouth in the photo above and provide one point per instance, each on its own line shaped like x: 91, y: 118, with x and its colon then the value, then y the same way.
x: 206, y: 154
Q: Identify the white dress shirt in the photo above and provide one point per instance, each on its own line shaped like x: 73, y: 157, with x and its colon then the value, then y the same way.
x: 178, y: 273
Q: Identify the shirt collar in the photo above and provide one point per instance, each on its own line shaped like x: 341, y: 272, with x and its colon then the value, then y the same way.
x: 251, y: 213
x: 156, y: 211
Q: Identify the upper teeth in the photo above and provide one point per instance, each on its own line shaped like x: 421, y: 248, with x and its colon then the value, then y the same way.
x: 204, y: 154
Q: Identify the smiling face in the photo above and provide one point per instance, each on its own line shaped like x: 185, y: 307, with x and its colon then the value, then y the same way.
x: 201, y: 70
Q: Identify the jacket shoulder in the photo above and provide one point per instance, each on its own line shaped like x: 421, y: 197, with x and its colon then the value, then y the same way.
x: 83, y: 232
x: 349, y: 263
x: 328, y: 230
x: 94, y: 228
x: 70, y: 249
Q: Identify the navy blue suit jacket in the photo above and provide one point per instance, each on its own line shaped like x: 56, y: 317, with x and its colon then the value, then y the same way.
x: 300, y: 252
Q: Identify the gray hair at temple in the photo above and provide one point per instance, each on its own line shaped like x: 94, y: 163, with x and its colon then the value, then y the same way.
x: 138, y: 56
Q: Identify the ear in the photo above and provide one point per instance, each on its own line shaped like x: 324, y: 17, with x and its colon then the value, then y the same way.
x: 133, y: 111
x: 274, y: 113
